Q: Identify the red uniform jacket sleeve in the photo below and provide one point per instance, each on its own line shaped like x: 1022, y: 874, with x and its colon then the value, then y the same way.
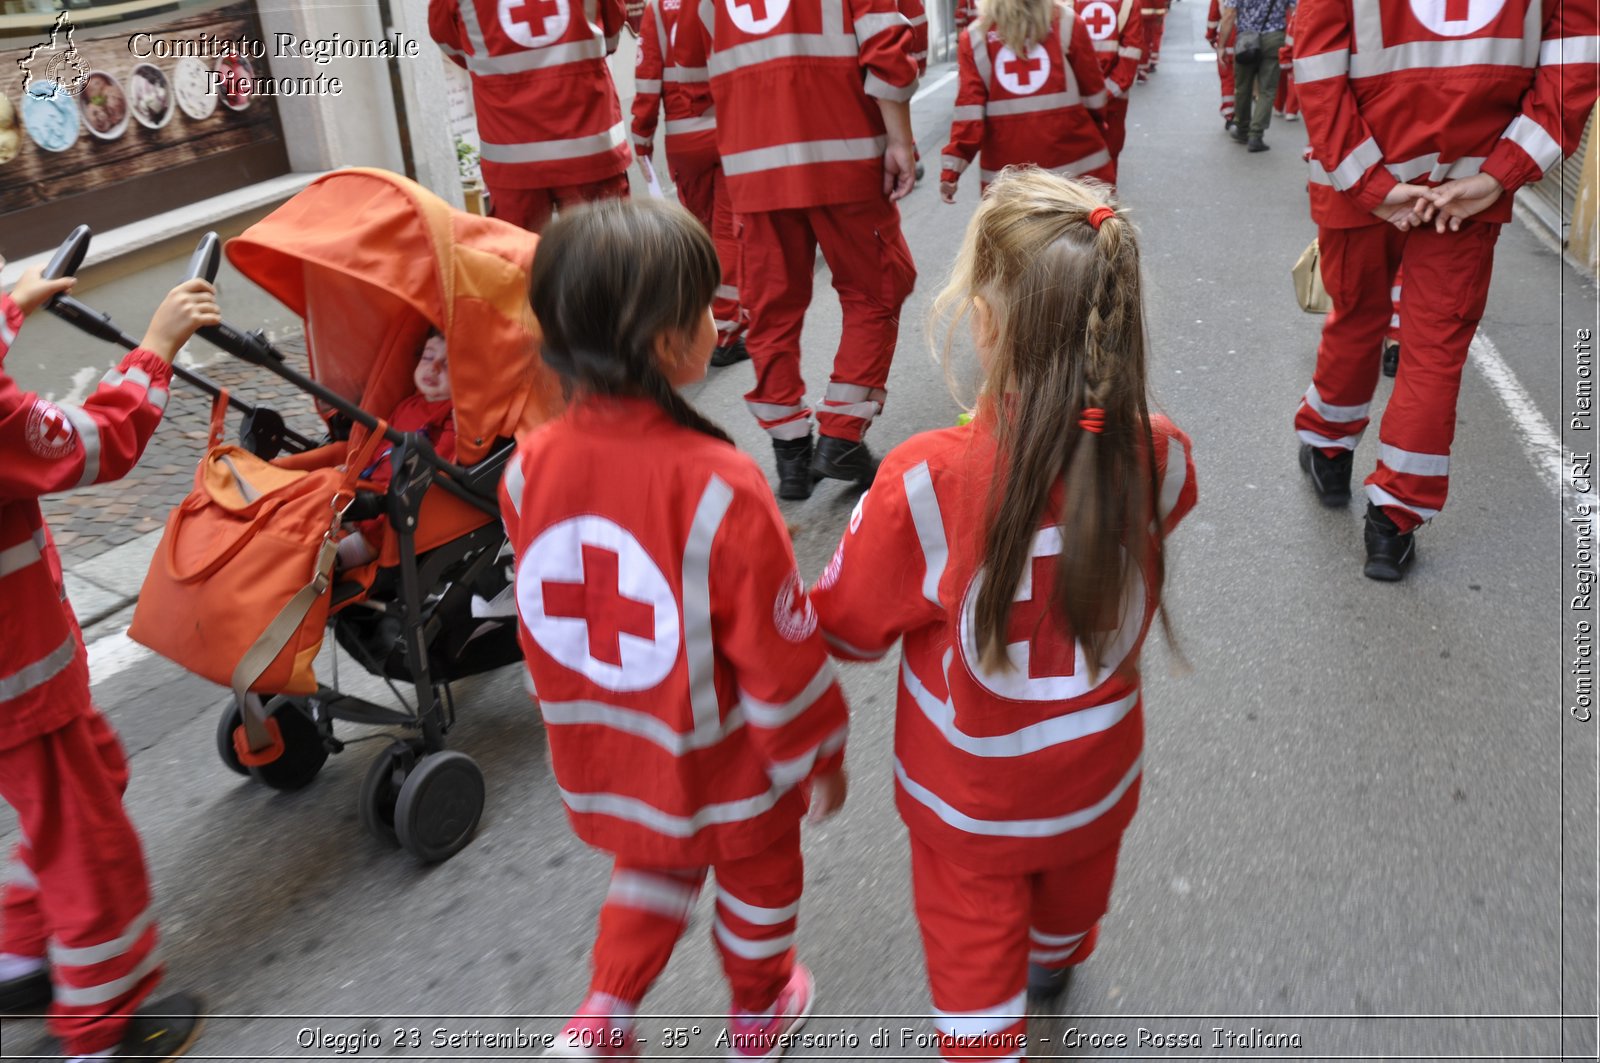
x: 647, y: 80
x: 47, y: 447
x: 1213, y: 20
x: 1557, y: 106
x: 1119, y: 79
x: 916, y: 13
x: 883, y: 37
x: 1078, y: 47
x: 766, y: 628
x: 1176, y: 492
x: 966, y: 122
x: 1341, y: 141
x: 877, y: 587
x: 613, y: 16
x: 444, y: 26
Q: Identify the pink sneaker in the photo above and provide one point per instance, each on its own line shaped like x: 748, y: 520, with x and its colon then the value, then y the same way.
x: 592, y: 1035
x: 757, y: 1038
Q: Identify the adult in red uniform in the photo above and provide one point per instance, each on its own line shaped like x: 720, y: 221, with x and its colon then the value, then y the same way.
x: 1042, y: 107
x: 1286, y: 101
x: 1117, y: 30
x: 1420, y: 114
x: 661, y: 83
x: 548, y: 114
x: 1224, y: 50
x: 1155, y: 24
x: 78, y: 925
x: 814, y: 128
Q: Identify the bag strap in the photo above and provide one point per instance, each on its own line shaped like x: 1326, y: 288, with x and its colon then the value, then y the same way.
x: 271, y: 641
x: 219, y: 413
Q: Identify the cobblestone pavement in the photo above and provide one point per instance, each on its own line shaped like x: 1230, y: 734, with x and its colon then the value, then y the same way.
x: 90, y: 521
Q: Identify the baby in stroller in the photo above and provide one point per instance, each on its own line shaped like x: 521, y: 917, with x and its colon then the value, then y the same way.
x: 430, y: 412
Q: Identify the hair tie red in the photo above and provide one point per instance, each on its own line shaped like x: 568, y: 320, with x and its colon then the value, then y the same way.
x: 1100, y: 214
x: 1092, y: 419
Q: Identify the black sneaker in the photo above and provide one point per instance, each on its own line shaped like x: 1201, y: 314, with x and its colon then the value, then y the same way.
x: 843, y: 459
x: 162, y: 1030
x: 1391, y: 358
x: 1330, y: 477
x: 1047, y: 983
x: 1257, y: 144
x: 27, y: 995
x: 733, y: 352
x: 1389, y: 551
x: 794, y: 467
x: 1240, y: 135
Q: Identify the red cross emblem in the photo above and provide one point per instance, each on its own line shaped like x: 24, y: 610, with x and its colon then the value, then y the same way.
x: 48, y: 432
x: 599, y: 603
x: 1456, y: 18
x: 1099, y: 19
x: 533, y: 23
x: 757, y: 16
x: 1037, y: 622
x: 592, y: 599
x: 1023, y: 67
x: 1022, y: 75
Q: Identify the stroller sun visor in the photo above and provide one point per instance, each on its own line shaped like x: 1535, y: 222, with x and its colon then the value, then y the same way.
x: 370, y: 260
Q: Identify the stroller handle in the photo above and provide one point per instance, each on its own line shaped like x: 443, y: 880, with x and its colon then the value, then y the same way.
x: 67, y: 259
x: 206, y: 260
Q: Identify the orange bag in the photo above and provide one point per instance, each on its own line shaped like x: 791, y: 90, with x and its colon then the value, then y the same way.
x: 238, y: 589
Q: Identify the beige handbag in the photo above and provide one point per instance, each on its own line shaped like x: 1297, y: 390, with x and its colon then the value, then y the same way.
x: 1308, y: 289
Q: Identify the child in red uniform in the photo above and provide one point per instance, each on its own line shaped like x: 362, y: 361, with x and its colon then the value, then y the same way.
x: 689, y: 701
x: 1031, y: 91
x: 428, y: 411
x: 1022, y: 564
x: 79, y: 933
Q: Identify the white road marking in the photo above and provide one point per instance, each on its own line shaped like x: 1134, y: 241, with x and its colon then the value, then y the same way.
x: 935, y: 86
x: 1550, y: 460
x: 113, y: 654
x: 1205, y: 57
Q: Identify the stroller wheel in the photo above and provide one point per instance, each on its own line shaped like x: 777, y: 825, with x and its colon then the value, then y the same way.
x: 304, y: 751
x: 381, y: 789
x: 440, y: 804
x: 228, y: 722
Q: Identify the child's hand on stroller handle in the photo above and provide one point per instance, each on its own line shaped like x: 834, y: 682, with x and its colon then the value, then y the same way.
x: 33, y: 291
x: 191, y: 305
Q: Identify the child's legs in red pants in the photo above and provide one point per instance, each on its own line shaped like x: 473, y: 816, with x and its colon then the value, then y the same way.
x: 980, y: 931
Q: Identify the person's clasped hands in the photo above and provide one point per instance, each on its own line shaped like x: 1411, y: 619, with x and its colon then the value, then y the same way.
x: 1445, y: 207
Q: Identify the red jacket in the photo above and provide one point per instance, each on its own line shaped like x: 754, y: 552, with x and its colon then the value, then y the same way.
x: 1032, y: 110
x: 1214, y: 23
x: 1117, y: 30
x: 916, y: 13
x: 794, y: 81
x: 658, y: 80
x: 548, y: 114
x: 685, y: 690
x: 1013, y: 772
x: 434, y: 420
x: 1504, y: 89
x: 47, y: 447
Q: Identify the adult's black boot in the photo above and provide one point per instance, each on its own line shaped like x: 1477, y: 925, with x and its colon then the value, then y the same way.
x: 1047, y: 983
x: 1330, y: 477
x: 794, y: 467
x: 27, y: 994
x: 1391, y: 358
x: 844, y: 459
x: 1389, y: 550
x: 733, y: 352
x: 1257, y: 144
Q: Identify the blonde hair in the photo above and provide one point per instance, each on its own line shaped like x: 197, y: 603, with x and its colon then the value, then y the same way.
x: 1066, y: 333
x: 1021, y: 24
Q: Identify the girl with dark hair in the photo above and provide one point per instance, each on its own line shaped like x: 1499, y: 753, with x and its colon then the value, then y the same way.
x: 1020, y: 558
x: 690, y: 706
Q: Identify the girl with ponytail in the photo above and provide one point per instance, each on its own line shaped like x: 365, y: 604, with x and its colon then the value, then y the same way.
x: 1020, y: 560
x: 690, y: 708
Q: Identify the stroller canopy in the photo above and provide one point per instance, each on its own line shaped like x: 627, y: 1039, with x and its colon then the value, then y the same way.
x: 370, y: 260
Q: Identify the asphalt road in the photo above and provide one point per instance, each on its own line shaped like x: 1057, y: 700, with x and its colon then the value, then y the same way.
x: 1368, y: 821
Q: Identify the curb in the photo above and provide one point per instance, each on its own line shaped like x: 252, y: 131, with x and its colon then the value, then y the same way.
x: 110, y: 582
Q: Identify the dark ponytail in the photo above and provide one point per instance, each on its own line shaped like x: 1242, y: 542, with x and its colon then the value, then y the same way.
x: 608, y: 279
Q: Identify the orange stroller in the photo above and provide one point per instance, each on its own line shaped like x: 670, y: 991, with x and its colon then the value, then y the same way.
x: 371, y: 262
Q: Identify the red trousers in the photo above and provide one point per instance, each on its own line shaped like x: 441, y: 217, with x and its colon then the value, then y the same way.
x: 1116, y: 128
x: 1394, y: 298
x: 1287, y: 100
x: 1225, y: 75
x: 758, y: 901
x: 703, y: 190
x: 531, y: 208
x: 1154, y: 27
x: 872, y: 272
x: 980, y: 931
x: 1447, y: 285
x: 77, y: 889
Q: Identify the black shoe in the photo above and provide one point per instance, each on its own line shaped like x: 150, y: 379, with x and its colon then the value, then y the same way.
x: 1240, y: 135
x: 162, y: 1030
x: 794, y: 467
x: 28, y: 995
x: 1391, y: 359
x: 921, y: 170
x: 1227, y: 125
x: 1389, y: 551
x: 843, y: 459
x: 730, y: 354
x: 1257, y: 144
x: 1330, y: 477
x: 1046, y: 983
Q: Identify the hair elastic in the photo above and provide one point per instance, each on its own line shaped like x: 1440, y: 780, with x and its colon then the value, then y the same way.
x: 1093, y: 418
x: 1100, y: 214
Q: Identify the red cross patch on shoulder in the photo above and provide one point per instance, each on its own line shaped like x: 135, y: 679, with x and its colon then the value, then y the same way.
x: 48, y: 432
